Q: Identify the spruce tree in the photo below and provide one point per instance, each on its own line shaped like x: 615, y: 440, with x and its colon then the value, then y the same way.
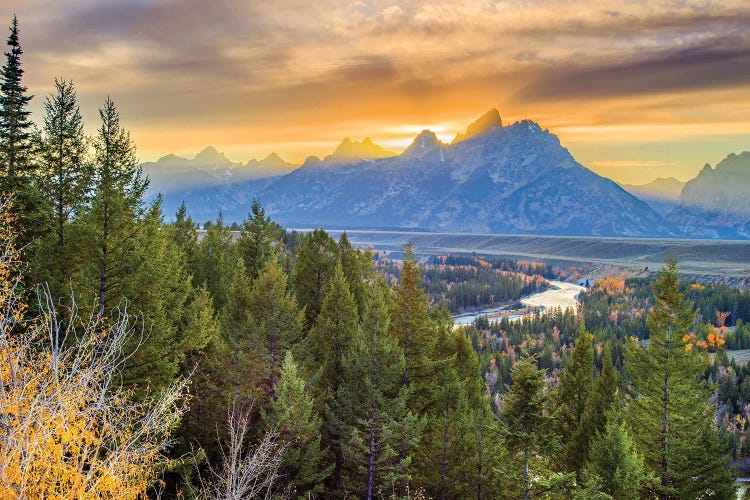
x: 529, y: 429
x: 185, y: 235
x: 257, y: 240
x: 478, y: 450
x: 358, y: 270
x: 614, y: 467
x: 215, y: 262
x: 275, y: 322
x: 293, y: 416
x: 17, y: 171
x: 15, y: 125
x: 241, y: 374
x: 158, y: 289
x: 604, y: 397
x: 330, y: 348
x: 440, y: 451
x: 114, y: 211
x: 378, y: 412
x: 313, y: 268
x: 669, y: 412
x: 412, y: 327
x: 576, y: 383
x: 206, y: 364
x: 64, y: 181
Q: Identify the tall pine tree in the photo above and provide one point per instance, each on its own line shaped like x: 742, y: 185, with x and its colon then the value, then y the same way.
x: 64, y: 180
x: 293, y: 416
x: 378, y: 412
x: 529, y: 430
x: 669, y: 412
x: 115, y: 209
x: 313, y: 268
x: 257, y: 240
x: 330, y: 347
x: 17, y: 175
x: 275, y: 322
x: 576, y: 383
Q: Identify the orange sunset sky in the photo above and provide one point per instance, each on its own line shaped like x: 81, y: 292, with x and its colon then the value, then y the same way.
x: 636, y: 90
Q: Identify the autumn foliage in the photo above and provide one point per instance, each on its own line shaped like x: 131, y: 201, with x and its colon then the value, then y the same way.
x: 67, y: 430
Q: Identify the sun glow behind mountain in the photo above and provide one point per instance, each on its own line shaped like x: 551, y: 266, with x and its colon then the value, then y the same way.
x: 636, y: 91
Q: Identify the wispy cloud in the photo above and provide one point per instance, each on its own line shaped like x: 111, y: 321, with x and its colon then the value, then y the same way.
x: 236, y: 73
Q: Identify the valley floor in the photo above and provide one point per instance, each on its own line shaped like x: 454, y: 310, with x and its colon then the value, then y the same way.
x: 709, y: 258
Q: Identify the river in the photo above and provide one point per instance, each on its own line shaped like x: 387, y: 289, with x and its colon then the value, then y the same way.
x: 562, y: 294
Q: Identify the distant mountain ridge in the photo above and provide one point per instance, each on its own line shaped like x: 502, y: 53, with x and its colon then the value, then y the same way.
x: 662, y: 194
x: 716, y: 204
x: 209, y: 168
x: 491, y: 179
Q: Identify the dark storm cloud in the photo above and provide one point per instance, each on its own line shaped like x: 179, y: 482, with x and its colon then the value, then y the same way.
x: 722, y: 63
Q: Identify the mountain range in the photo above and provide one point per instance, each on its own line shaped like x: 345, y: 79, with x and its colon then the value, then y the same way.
x: 492, y: 178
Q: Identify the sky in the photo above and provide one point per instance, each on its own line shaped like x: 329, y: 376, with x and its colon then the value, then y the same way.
x: 634, y: 89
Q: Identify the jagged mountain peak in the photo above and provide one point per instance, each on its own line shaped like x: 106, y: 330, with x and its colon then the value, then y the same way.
x: 349, y: 150
x: 486, y: 123
x: 312, y: 162
x: 171, y: 159
x: 735, y: 163
x: 423, y: 143
x: 210, y: 155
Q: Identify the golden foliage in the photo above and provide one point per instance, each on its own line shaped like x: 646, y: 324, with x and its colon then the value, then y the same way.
x: 610, y: 285
x: 67, y: 431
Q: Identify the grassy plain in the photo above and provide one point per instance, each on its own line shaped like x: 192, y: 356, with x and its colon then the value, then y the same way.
x: 721, y: 258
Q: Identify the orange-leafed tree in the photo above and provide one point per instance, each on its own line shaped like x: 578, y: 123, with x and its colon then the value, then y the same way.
x: 68, y: 431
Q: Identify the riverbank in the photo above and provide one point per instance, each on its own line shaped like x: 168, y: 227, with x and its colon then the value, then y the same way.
x: 561, y: 295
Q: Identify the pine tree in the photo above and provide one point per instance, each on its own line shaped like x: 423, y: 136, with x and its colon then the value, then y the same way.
x: 315, y: 264
x: 17, y: 172
x: 604, y: 397
x: 529, y: 429
x: 215, y: 262
x: 15, y: 125
x: 614, y: 466
x: 477, y: 451
x: 158, y: 288
x: 358, y: 270
x: 275, y: 322
x: 440, y: 448
x: 257, y: 241
x: 576, y: 383
x: 206, y: 364
x: 669, y: 412
x: 115, y: 208
x: 330, y: 347
x: 64, y: 180
x: 412, y: 327
x: 185, y: 235
x: 378, y: 412
x: 293, y: 416
x: 241, y: 372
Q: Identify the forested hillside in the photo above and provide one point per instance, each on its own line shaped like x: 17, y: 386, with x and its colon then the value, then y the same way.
x: 139, y: 360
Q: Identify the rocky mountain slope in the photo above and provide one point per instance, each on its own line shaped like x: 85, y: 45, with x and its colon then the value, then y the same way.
x: 716, y: 204
x: 491, y: 179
